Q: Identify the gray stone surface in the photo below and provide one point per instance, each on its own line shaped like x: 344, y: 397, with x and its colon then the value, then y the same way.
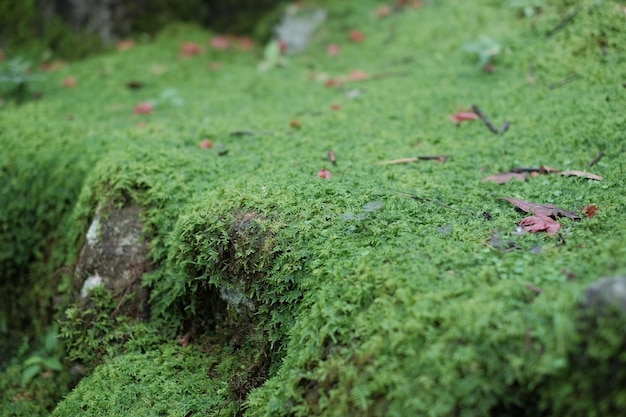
x: 115, y: 255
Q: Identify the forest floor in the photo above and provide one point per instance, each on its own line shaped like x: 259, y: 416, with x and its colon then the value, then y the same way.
x: 412, y: 209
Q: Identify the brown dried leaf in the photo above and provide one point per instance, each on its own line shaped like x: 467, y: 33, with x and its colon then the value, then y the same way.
x: 590, y: 210
x: 583, y: 174
x: 504, y: 177
x: 543, y: 209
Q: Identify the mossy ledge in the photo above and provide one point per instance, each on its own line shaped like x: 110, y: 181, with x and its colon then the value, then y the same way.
x: 266, y: 290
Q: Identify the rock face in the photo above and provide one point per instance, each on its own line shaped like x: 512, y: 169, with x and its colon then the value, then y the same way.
x: 607, y: 293
x: 115, y: 255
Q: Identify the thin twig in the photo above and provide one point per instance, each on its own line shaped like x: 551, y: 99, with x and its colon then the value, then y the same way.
x: 438, y: 158
x: 484, y: 118
x: 566, y: 19
x: 251, y: 133
x: 564, y: 81
x: 596, y: 159
x: 534, y: 288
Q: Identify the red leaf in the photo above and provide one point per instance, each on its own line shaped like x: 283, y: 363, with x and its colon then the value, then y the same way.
x: 356, y: 36
x: 125, y: 44
x: 383, y: 11
x: 324, y: 173
x: 206, y: 144
x: 189, y: 49
x: 69, y: 82
x: 336, y: 107
x: 463, y: 116
x: 333, y: 49
x: 539, y: 223
x: 144, y: 108
x: 245, y: 43
x: 295, y: 123
x: 543, y: 209
x: 590, y: 210
x: 220, y: 42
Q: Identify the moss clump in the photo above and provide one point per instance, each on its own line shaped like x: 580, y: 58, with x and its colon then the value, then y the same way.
x: 387, y: 289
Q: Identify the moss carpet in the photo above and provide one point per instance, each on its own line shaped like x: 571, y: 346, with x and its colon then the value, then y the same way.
x: 371, y: 286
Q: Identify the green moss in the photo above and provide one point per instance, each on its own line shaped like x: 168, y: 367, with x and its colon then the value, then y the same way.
x: 388, y: 289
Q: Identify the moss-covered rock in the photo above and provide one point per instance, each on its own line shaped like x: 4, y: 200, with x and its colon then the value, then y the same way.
x: 387, y: 289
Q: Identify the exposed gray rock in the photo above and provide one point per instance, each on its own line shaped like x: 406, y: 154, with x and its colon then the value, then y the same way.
x: 115, y: 255
x: 607, y: 293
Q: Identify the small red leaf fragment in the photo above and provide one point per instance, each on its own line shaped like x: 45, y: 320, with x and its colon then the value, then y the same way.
x: 336, y: 107
x: 324, y: 174
x: 333, y: 49
x: 295, y: 123
x: 463, y: 116
x: 383, y: 11
x: 282, y: 45
x: 583, y: 174
x: 590, y: 210
x: 69, y: 82
x: 357, y: 75
x: 189, y: 49
x: 539, y: 223
x: 504, y: 177
x: 206, y: 144
x: 220, y: 42
x: 213, y: 66
x: 144, y: 108
x: 245, y: 43
x: 125, y: 45
x: 356, y: 36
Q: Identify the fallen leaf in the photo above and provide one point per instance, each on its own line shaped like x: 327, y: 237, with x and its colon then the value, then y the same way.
x: 206, y: 144
x: 324, y: 173
x: 583, y: 174
x: 282, y: 46
x: 383, y: 11
x: 245, y: 43
x: 51, y: 66
x: 69, y: 82
x: 463, y: 116
x: 295, y: 123
x: 543, y: 209
x: 144, y: 108
x: 356, y: 36
x: 539, y: 223
x: 213, y: 66
x: 357, y: 75
x: 336, y: 107
x: 220, y: 42
x: 590, y: 210
x: 189, y: 49
x: 333, y: 49
x: 504, y: 177
x: 125, y: 45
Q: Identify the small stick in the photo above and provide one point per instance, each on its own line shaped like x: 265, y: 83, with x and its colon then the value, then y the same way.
x: 504, y: 127
x: 566, y: 19
x: 596, y: 159
x: 439, y: 158
x: 534, y: 288
x: 331, y: 157
x: 485, y: 119
x: 564, y: 81
x: 251, y: 133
